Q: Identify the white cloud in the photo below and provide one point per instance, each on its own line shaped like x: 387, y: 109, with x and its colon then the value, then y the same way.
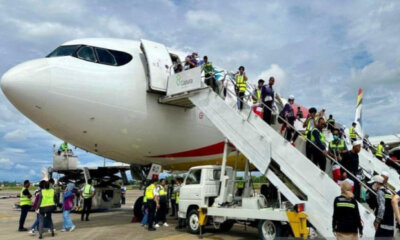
x: 376, y: 73
x: 5, y: 163
x: 16, y: 135
x: 13, y: 150
x: 20, y: 166
x: 32, y: 172
x: 203, y: 19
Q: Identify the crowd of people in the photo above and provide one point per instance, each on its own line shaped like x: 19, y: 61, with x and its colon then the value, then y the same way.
x: 45, y: 200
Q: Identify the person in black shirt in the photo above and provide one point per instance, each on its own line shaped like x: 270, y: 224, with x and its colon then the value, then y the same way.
x: 346, y: 220
x: 350, y: 161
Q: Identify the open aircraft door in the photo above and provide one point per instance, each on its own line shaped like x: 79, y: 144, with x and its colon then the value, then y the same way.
x: 159, y: 64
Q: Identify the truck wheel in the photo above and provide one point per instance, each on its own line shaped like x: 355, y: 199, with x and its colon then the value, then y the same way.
x: 193, y: 222
x: 226, y: 226
x: 269, y: 230
x: 137, y: 208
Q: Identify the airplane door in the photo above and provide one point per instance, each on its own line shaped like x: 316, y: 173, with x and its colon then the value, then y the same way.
x: 159, y: 64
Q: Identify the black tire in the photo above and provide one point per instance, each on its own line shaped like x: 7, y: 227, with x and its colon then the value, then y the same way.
x: 137, y: 208
x: 268, y: 230
x: 226, y: 226
x: 192, y: 223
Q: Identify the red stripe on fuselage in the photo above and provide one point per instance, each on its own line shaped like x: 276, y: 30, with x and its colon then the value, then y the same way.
x: 217, y: 148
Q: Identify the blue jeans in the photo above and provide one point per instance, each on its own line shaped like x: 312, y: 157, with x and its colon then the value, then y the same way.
x: 67, y: 222
x: 35, y: 225
x: 145, y: 217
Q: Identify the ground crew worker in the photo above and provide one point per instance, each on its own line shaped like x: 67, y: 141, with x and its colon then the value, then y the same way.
x: 240, y: 188
x: 152, y: 203
x: 45, y: 207
x: 257, y: 92
x: 346, y: 220
x: 318, y: 138
x: 379, y: 151
x: 352, y: 132
x: 268, y: 98
x: 208, y: 69
x: 172, y: 198
x: 163, y: 201
x: 123, y: 194
x: 241, y: 86
x: 181, y: 221
x: 309, y: 124
x: 337, y: 146
x: 63, y: 147
x: 384, y: 221
x: 25, y: 203
x: 87, y: 192
x: 331, y: 123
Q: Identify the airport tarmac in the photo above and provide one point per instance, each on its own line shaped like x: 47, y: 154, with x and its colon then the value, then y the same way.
x: 112, y: 224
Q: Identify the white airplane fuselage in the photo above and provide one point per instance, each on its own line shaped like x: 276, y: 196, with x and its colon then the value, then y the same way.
x: 108, y: 110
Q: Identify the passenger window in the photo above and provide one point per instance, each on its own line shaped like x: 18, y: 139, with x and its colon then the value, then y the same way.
x: 64, y: 51
x: 193, y: 177
x: 105, y: 57
x: 216, y: 174
x: 86, y: 53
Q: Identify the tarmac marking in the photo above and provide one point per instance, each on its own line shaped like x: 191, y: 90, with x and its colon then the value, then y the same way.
x: 186, y: 237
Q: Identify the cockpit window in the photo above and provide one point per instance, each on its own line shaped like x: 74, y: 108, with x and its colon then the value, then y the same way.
x: 121, y: 57
x: 64, y: 51
x: 86, y: 53
x: 105, y: 56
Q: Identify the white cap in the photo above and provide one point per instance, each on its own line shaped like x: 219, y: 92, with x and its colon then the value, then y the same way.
x: 384, y: 174
x: 376, y: 178
x: 358, y: 142
x: 291, y: 97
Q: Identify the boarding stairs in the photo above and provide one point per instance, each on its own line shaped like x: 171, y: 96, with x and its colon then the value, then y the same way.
x: 256, y: 140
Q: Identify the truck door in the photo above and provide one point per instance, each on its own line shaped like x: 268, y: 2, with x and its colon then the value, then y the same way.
x: 159, y: 64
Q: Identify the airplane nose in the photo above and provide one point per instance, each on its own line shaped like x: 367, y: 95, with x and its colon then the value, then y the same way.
x: 26, y: 84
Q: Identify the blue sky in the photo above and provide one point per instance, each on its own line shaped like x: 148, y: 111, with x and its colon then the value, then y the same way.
x: 319, y: 52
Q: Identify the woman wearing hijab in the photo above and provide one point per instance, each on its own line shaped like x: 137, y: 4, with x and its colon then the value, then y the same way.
x: 67, y: 206
x: 346, y: 221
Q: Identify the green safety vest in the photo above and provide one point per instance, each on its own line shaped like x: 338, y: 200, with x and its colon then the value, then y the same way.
x: 47, y: 198
x: 353, y: 134
x: 241, y: 83
x: 338, y: 147
x: 258, y: 95
x: 149, y: 192
x: 177, y: 198
x: 379, y: 151
x: 144, y: 199
x: 321, y: 135
x: 308, y: 127
x: 240, y: 185
x: 162, y: 191
x: 24, y: 200
x: 64, y: 146
x: 86, y: 191
x: 208, y: 68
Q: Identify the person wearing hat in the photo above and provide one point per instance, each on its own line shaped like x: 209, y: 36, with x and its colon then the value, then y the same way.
x: 346, y: 220
x: 257, y: 92
x: 385, y: 176
x: 350, y: 162
x: 384, y: 221
x: 268, y: 98
x: 241, y: 86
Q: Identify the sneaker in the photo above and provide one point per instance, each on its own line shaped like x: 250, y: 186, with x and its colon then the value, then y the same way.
x: 165, y: 224
x: 32, y: 232
x: 72, y: 228
x: 63, y: 230
x: 152, y: 229
x: 22, y: 230
x: 157, y: 226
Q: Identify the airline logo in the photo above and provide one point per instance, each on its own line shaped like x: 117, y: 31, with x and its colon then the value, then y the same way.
x: 359, y: 97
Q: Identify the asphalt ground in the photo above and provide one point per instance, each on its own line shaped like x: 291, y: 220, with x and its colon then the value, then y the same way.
x: 110, y: 224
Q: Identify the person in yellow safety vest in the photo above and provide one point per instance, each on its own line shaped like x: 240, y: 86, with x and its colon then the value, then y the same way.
x: 337, y: 146
x: 240, y: 187
x: 87, y: 192
x: 161, y: 215
x: 380, y: 150
x: 208, y: 69
x: 257, y: 92
x: 352, y: 133
x: 46, y: 205
x: 181, y: 221
x: 63, y: 147
x: 152, y: 198
x: 318, y: 138
x: 241, y: 86
x: 309, y: 124
x: 25, y: 203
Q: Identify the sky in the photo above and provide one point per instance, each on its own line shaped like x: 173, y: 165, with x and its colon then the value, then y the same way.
x: 318, y: 51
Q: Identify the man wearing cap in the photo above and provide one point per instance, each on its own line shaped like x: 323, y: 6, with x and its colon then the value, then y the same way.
x: 384, y: 221
x: 350, y: 162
